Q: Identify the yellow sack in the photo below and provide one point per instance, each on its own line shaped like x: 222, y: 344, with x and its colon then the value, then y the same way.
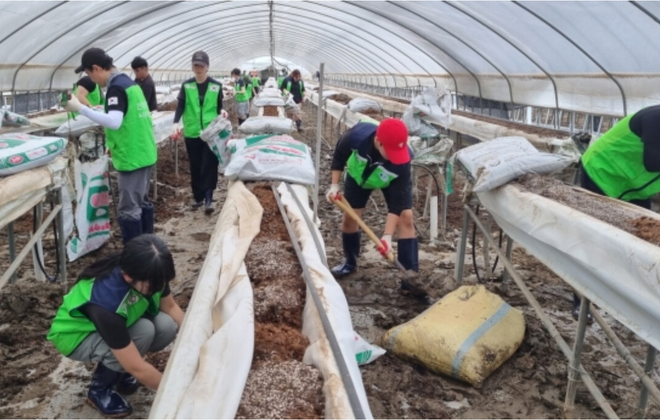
x: 467, y: 335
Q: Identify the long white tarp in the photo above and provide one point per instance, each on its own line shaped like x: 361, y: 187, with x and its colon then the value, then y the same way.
x: 614, y: 269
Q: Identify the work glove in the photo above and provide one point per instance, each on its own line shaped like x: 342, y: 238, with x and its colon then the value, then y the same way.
x: 224, y: 114
x: 176, y: 131
x: 72, y: 104
x: 333, y: 193
x: 385, y: 245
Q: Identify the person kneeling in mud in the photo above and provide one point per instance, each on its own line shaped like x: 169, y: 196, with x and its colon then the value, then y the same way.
x: 120, y: 308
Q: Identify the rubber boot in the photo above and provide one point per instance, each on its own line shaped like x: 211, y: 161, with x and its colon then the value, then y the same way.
x: 102, y: 397
x: 208, y: 207
x: 408, y: 254
x: 298, y: 126
x: 240, y: 121
x: 130, y: 228
x: 148, y: 219
x: 351, y: 245
x: 127, y: 384
x: 577, y: 303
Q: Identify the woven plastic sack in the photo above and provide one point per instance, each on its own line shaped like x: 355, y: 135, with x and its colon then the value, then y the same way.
x: 432, y: 105
x: 494, y: 163
x: 268, y: 101
x: 466, y: 335
x: 11, y: 119
x: 20, y: 152
x: 366, y: 353
x: 216, y: 135
x: 78, y: 125
x: 272, y: 158
x: 266, y: 125
x: 270, y: 92
x: 362, y: 105
x: 92, y: 210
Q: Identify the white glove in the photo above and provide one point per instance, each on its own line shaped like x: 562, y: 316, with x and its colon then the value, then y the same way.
x: 224, y: 114
x: 333, y: 193
x: 72, y: 104
x: 176, y: 129
x: 386, y: 245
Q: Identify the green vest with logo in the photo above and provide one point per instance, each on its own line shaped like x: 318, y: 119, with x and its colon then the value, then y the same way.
x: 94, y: 98
x: 70, y: 327
x: 380, y: 178
x: 245, y: 95
x: 248, y: 86
x: 133, y: 144
x: 615, y: 162
x: 195, y: 120
x: 279, y: 81
x: 255, y: 82
x: 300, y: 83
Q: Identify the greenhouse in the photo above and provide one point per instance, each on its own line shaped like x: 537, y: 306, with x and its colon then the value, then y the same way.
x: 329, y: 209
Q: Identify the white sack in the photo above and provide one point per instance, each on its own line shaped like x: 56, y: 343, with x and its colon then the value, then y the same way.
x: 363, y: 104
x: 267, y: 125
x: 20, y: 152
x: 268, y: 101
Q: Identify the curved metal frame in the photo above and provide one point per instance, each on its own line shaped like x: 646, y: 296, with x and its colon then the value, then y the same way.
x: 56, y: 38
x: 160, y: 7
x: 582, y: 50
x: 20, y: 28
x: 552, y: 79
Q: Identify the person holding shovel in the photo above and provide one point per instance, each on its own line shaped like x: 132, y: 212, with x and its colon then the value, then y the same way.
x: 199, y: 103
x: 120, y: 308
x: 624, y: 164
x: 129, y: 137
x: 375, y: 157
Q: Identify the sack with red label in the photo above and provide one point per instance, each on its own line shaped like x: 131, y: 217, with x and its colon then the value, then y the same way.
x: 92, y: 207
x: 20, y: 152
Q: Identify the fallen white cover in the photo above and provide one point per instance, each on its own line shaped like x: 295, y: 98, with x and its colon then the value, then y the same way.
x: 614, y: 269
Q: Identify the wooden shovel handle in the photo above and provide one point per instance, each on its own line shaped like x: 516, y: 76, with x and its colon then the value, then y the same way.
x: 346, y: 208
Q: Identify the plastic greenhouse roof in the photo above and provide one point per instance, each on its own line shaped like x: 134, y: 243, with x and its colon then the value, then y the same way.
x: 597, y: 57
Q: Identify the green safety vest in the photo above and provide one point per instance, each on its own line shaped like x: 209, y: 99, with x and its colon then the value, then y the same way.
x: 94, y: 97
x: 133, y: 144
x: 245, y: 96
x: 256, y: 82
x: 70, y: 327
x: 300, y: 83
x: 615, y: 162
x: 380, y: 178
x: 279, y: 82
x: 195, y: 119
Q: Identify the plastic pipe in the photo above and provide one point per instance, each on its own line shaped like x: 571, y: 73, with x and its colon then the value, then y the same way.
x: 434, y: 218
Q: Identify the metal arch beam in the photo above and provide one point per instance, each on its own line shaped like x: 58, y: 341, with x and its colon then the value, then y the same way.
x: 39, y: 16
x: 179, y: 16
x: 582, y: 50
x: 248, y: 33
x: 552, y: 79
x: 348, y: 47
x: 212, y: 42
x: 375, y: 35
x: 362, y: 48
x: 508, y: 81
x: 155, y: 9
x: 432, y: 43
x: 55, y: 38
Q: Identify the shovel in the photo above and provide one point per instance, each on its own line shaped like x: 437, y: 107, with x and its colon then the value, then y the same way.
x: 414, y: 291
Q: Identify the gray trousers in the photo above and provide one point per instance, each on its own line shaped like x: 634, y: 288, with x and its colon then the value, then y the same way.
x: 148, y: 334
x: 134, y: 192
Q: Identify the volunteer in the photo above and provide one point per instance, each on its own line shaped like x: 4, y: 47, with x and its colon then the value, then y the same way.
x: 143, y: 79
x: 294, y: 85
x: 242, y: 96
x: 129, y: 137
x: 280, y: 79
x: 120, y: 308
x: 255, y: 82
x: 376, y: 157
x: 88, y: 93
x: 199, y: 102
x: 624, y: 163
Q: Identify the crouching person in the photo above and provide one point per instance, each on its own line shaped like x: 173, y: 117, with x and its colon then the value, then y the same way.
x: 119, y: 309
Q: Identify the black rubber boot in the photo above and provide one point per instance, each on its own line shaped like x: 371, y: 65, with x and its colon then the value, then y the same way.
x: 208, y: 207
x: 127, y: 385
x: 577, y: 303
x: 408, y: 254
x: 351, y: 244
x: 298, y: 126
x: 130, y: 228
x: 240, y: 121
x: 148, y: 219
x: 102, y: 397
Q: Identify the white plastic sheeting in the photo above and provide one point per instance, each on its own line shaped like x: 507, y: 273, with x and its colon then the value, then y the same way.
x: 614, y: 269
x: 599, y: 56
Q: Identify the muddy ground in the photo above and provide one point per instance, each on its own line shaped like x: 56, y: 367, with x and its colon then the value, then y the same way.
x: 35, y: 381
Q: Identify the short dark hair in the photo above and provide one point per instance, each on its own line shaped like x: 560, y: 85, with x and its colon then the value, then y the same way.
x: 295, y: 73
x: 236, y: 72
x: 138, y: 62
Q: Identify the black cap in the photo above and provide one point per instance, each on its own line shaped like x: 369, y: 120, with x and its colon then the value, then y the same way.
x: 138, y: 62
x: 200, y: 57
x: 94, y: 56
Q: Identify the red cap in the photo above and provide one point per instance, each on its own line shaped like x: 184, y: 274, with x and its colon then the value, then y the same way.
x: 393, y: 135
